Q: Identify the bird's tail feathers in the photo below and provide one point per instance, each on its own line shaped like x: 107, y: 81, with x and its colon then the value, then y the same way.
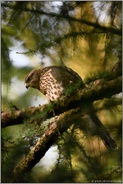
x: 108, y: 140
x: 102, y: 132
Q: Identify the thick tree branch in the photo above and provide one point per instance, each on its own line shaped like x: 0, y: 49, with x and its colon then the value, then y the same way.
x: 99, y: 90
x: 57, y: 127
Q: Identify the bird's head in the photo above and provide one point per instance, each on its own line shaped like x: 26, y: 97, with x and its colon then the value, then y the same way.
x: 32, y: 79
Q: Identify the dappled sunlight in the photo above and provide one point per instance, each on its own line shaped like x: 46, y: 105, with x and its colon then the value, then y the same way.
x: 48, y: 142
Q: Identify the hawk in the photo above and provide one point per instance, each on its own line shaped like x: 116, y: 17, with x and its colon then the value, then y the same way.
x: 57, y: 81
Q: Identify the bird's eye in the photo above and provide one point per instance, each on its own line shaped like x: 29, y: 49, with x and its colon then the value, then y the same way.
x: 29, y: 78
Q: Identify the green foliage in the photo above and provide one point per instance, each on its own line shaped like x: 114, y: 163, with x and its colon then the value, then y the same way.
x: 70, y: 33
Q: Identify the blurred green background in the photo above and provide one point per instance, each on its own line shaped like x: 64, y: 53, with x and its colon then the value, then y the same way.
x: 38, y: 34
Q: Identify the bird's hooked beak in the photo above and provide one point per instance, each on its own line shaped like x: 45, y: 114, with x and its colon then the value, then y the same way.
x: 27, y: 85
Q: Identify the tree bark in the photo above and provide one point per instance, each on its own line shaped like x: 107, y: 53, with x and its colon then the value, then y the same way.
x: 100, y: 89
x: 56, y: 128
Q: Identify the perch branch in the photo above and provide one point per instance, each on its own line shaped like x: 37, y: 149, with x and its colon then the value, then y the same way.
x: 98, y: 91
